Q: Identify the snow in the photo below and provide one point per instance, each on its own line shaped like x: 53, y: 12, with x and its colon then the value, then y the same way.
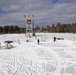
x: 47, y: 58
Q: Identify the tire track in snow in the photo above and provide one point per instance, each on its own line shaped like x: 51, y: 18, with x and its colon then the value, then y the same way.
x: 58, y: 62
x: 59, y: 66
x: 53, y: 56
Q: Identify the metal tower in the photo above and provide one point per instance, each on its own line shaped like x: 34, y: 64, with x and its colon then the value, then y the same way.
x: 29, y: 21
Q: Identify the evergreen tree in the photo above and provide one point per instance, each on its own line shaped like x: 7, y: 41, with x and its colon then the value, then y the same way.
x: 37, y: 29
x: 6, y: 29
x: 48, y: 28
x: 43, y: 29
x: 16, y: 29
x: 11, y: 29
x: 1, y: 29
x: 53, y: 28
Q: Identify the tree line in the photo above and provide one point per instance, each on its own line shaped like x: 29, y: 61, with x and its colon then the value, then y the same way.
x: 63, y: 28
x: 59, y: 28
x: 9, y: 29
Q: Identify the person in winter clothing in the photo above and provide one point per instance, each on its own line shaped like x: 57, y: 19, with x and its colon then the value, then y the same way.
x: 38, y: 41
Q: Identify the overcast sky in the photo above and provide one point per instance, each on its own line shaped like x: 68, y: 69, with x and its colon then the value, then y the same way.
x: 46, y: 12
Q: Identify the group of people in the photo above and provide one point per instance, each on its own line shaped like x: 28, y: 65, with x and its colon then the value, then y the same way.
x: 38, y: 41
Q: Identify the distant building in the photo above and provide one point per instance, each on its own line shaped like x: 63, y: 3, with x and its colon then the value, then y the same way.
x: 22, y: 30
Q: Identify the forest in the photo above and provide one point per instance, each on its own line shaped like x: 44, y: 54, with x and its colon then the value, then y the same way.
x: 58, y: 28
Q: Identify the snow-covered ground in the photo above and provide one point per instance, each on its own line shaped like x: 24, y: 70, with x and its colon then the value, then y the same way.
x: 47, y: 58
